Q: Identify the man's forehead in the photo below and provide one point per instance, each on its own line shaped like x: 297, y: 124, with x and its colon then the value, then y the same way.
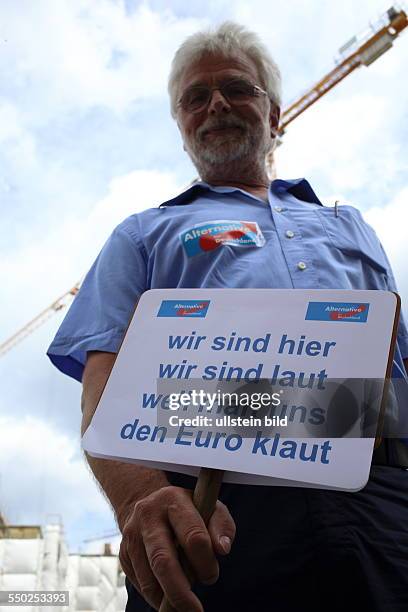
x: 213, y: 67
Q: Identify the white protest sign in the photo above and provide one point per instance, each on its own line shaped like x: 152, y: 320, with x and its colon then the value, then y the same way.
x: 294, y: 338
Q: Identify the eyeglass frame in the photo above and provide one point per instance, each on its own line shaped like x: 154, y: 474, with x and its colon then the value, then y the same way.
x: 256, y: 91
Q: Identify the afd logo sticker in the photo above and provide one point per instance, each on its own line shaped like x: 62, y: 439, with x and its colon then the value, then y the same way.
x: 350, y: 312
x: 209, y: 236
x: 183, y: 308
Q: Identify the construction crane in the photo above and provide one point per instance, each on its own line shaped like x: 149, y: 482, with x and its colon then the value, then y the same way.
x: 105, y: 536
x: 361, y: 50
x: 62, y: 302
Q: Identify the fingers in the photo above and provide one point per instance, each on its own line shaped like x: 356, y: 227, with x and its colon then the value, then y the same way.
x: 221, y: 528
x: 163, y: 559
x: 126, y: 564
x: 136, y: 566
x: 148, y: 552
x: 194, y: 539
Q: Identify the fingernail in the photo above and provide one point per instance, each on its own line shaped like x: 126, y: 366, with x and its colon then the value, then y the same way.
x: 211, y: 580
x: 225, y: 542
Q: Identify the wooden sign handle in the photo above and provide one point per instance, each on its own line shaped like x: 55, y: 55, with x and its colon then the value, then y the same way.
x: 204, y: 498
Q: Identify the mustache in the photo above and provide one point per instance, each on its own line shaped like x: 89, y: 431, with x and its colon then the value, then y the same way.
x: 219, y: 124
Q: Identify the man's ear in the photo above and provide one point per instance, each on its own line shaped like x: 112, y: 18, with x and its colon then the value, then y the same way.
x: 274, y: 116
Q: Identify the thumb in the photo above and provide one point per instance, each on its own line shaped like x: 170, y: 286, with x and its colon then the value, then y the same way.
x: 221, y: 529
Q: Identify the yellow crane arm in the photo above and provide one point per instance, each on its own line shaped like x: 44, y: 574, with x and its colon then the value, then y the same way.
x: 370, y: 47
x: 22, y: 333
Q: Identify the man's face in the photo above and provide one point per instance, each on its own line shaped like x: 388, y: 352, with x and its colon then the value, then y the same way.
x: 223, y: 132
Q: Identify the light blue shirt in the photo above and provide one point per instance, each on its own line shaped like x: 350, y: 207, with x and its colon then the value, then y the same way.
x: 222, y: 237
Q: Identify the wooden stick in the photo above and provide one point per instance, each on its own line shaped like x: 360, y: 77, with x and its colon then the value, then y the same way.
x: 204, y: 498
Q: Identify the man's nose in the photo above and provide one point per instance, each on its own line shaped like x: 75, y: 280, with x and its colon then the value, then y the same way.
x: 218, y: 103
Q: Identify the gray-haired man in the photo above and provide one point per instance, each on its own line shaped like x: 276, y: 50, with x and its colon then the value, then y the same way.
x: 266, y: 548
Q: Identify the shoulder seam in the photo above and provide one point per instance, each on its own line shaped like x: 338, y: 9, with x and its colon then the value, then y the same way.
x: 135, y: 236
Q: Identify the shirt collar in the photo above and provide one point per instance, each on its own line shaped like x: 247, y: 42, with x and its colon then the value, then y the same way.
x: 299, y: 188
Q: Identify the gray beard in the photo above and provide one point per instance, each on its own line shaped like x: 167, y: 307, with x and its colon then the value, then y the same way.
x: 249, y: 147
x: 225, y: 152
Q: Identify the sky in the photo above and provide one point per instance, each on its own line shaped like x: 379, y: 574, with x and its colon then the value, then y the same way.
x: 87, y: 139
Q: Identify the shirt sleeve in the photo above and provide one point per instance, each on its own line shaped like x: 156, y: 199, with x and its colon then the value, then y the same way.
x: 100, y: 312
x: 402, y: 338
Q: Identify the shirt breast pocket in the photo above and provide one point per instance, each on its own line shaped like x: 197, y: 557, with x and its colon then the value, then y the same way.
x: 349, y: 233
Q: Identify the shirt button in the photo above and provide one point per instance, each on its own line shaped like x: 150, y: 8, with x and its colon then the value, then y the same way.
x: 278, y: 208
x: 301, y: 265
x: 289, y: 234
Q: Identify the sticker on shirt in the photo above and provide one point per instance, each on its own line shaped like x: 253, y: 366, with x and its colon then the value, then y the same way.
x: 209, y: 236
x: 183, y: 308
x: 337, y: 311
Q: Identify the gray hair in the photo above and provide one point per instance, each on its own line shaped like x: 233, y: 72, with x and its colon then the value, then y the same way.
x: 226, y: 40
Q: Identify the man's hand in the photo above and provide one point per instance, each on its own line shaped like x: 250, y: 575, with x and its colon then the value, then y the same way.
x: 153, y: 516
x: 148, y: 552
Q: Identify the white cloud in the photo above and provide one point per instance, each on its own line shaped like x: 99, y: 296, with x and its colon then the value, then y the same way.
x: 83, y: 53
x: 40, y: 467
x: 133, y: 192
x: 344, y: 142
x: 10, y: 122
x: 46, y: 269
x: 390, y: 223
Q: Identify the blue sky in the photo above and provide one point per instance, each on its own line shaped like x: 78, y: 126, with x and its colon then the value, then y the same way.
x: 87, y: 139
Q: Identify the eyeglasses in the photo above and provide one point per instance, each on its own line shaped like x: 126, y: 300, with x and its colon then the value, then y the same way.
x: 236, y: 92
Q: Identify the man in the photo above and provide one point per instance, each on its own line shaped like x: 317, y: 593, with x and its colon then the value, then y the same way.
x: 266, y: 548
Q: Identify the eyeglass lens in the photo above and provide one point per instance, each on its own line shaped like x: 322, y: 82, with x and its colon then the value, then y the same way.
x: 238, y: 91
